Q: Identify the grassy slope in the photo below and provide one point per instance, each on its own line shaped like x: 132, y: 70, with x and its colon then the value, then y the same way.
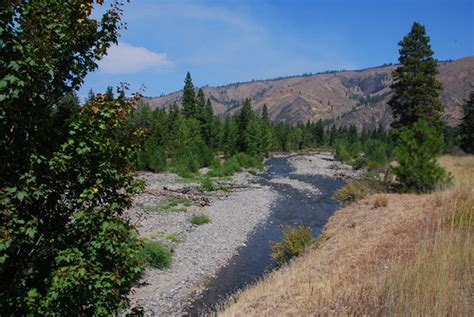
x: 413, y: 257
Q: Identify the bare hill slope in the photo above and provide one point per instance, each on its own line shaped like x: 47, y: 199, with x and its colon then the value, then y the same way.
x: 347, y: 97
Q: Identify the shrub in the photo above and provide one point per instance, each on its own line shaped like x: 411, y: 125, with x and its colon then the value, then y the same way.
x: 380, y: 201
x: 235, y: 164
x: 352, y: 191
x: 152, y: 157
x: 294, y: 242
x: 342, y: 152
x: 200, y: 219
x: 208, y: 185
x: 416, y: 151
x: 156, y: 255
x: 173, y: 237
x: 204, y: 153
x: 375, y: 154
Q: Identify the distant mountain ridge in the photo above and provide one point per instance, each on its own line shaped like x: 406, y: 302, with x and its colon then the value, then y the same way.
x: 345, y: 97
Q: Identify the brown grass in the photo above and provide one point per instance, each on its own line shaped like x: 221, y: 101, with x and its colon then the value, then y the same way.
x: 380, y: 201
x: 413, y: 257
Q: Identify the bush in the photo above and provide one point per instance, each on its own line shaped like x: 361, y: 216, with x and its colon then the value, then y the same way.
x: 156, y: 255
x: 295, y: 240
x: 380, y: 201
x: 235, y: 164
x: 203, y: 153
x: 352, y: 191
x: 152, y: 157
x: 200, y: 219
x: 375, y: 154
x: 342, y: 152
x: 417, y: 150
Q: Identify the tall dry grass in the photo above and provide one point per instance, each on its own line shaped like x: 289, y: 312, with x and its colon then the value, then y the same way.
x: 412, y: 257
x: 439, y: 279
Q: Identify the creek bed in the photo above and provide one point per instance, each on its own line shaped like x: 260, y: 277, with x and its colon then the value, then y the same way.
x: 296, y: 204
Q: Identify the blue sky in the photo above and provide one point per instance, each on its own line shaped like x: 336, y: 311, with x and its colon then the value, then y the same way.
x: 222, y: 42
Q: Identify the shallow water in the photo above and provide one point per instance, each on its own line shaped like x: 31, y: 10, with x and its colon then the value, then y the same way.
x: 292, y: 207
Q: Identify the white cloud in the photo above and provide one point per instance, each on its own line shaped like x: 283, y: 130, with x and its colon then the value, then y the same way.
x: 126, y: 59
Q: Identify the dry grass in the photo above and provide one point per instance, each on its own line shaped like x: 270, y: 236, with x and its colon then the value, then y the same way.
x: 413, y: 257
x: 380, y: 201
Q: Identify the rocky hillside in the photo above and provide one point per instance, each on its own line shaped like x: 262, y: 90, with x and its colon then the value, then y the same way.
x: 346, y: 97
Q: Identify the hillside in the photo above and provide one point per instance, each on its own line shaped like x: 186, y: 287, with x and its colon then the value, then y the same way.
x: 347, y: 97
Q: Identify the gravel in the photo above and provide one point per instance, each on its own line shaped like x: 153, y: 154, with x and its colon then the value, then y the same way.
x: 307, y: 187
x: 322, y: 163
x: 203, y: 249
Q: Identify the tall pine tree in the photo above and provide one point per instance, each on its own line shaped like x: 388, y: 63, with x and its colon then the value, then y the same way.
x: 467, y: 126
x: 415, y: 87
x: 417, y: 113
x: 189, y: 98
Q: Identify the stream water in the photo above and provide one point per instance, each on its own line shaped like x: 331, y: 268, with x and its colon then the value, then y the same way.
x: 292, y: 207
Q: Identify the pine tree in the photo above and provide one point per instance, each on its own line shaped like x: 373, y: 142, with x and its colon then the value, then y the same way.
x: 189, y: 98
x: 208, y: 124
x: 109, y: 94
x: 243, y: 120
x: 90, y: 96
x: 265, y: 117
x: 200, y: 103
x: 253, y: 137
x: 467, y: 125
x: 333, y: 135
x: 266, y: 132
x: 318, y: 132
x: 230, y: 136
x: 415, y: 87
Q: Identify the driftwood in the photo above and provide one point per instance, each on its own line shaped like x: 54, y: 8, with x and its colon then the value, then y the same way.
x: 185, y: 192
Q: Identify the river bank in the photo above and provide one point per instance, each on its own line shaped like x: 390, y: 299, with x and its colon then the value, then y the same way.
x: 199, y: 250
x: 411, y: 255
x: 254, y: 202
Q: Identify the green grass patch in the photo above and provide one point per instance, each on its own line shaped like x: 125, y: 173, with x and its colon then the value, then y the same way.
x: 200, y: 219
x: 170, y: 204
x: 173, y: 237
x: 208, y: 185
x: 156, y: 254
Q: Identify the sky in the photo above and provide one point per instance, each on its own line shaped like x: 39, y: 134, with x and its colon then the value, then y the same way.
x: 227, y: 41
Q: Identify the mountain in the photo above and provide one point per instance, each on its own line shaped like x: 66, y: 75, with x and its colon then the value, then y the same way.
x: 346, y: 97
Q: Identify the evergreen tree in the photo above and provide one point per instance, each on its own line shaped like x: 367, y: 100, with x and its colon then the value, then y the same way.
x: 319, y: 132
x: 200, y: 103
x: 243, y: 120
x: 109, y: 94
x: 189, y: 98
x: 266, y: 132
x: 230, y: 136
x: 467, y: 126
x: 415, y: 87
x: 265, y: 117
x: 253, y: 137
x: 416, y: 151
x: 417, y: 114
x: 333, y: 135
x: 90, y: 96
